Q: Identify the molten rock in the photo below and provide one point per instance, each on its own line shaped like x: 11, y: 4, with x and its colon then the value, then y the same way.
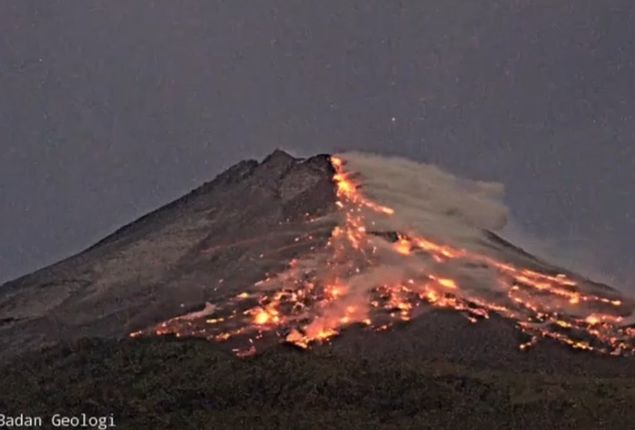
x: 364, y: 249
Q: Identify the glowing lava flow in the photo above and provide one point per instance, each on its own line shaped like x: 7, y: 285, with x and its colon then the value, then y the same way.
x: 314, y: 301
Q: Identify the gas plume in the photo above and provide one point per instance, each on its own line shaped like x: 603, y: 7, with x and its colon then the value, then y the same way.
x: 409, y: 238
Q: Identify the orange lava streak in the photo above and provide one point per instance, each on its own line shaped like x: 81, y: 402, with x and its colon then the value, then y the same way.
x: 305, y: 307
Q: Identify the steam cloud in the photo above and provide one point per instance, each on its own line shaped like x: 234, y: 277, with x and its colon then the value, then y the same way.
x: 438, y: 206
x: 429, y: 200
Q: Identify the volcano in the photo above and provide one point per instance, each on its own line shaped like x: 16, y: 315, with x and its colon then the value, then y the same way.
x: 362, y: 254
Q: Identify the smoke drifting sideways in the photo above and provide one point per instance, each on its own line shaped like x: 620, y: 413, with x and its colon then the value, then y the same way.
x: 427, y: 199
x: 410, y: 238
x: 443, y: 225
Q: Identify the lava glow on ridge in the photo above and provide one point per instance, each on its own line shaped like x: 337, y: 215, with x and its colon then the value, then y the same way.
x: 373, y: 276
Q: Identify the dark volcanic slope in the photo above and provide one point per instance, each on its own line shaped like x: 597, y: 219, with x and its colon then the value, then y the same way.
x: 220, y: 238
x: 225, y: 236
x: 446, y: 336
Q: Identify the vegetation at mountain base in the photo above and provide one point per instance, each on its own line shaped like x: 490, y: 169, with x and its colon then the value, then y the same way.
x: 175, y: 384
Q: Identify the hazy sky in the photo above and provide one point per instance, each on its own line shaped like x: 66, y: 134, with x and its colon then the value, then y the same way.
x: 110, y: 109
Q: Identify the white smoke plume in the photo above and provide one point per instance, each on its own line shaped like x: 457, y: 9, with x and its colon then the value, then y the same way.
x: 411, y: 238
x: 444, y: 246
x: 429, y: 200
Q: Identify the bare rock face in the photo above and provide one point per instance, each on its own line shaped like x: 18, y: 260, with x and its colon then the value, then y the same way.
x: 215, y: 241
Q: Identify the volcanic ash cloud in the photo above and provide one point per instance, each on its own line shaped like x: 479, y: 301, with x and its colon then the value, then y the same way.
x: 428, y: 200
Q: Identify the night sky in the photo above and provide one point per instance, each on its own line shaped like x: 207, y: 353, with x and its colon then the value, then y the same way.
x: 111, y: 109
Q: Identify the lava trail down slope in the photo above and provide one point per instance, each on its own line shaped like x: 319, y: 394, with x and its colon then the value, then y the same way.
x: 410, y: 238
x: 360, y: 253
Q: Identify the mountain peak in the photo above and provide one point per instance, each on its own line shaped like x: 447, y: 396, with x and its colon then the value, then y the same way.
x: 278, y: 155
x: 305, y: 251
x: 169, y: 260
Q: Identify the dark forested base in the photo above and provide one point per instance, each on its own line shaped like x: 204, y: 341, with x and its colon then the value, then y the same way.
x: 170, y: 384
